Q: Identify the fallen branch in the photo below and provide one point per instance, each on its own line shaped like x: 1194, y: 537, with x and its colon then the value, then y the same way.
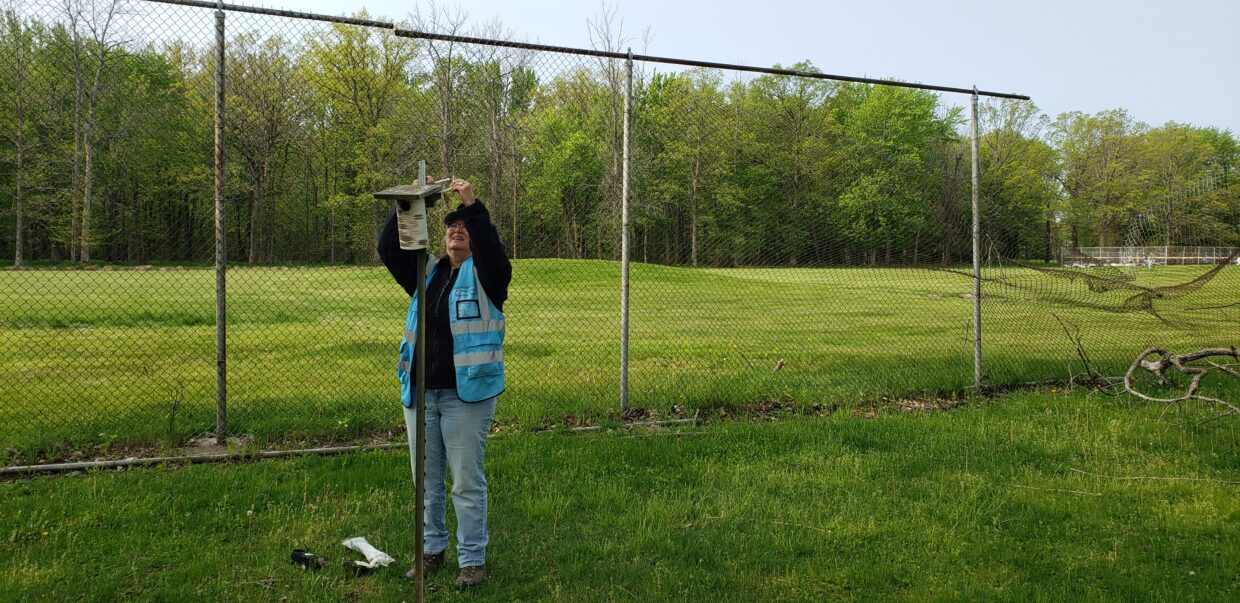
x: 695, y: 419
x: 1180, y: 362
x: 1075, y: 338
x: 1215, y: 418
x: 1224, y: 368
x: 267, y: 583
x: 662, y: 434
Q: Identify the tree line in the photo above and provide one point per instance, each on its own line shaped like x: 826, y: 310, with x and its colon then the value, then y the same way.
x: 106, y: 155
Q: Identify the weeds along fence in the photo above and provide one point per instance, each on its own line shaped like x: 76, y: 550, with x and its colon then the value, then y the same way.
x: 187, y: 196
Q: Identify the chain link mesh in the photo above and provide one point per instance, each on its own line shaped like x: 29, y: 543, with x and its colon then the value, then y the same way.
x: 794, y: 241
x: 1131, y: 242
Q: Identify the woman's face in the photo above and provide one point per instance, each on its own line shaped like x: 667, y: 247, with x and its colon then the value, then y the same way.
x: 456, y: 239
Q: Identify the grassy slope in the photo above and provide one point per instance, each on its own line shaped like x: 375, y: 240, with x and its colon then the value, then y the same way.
x: 96, y: 357
x: 984, y: 503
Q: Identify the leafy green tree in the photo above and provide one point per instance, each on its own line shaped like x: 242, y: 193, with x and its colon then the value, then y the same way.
x: 793, y: 142
x: 20, y: 115
x: 91, y: 26
x: 566, y: 164
x: 889, y: 182
x: 500, y: 88
x: 1172, y: 159
x: 1220, y: 188
x: 1019, y: 194
x: 150, y: 175
x: 363, y: 76
x: 688, y: 112
x: 106, y: 153
x: 1100, y: 174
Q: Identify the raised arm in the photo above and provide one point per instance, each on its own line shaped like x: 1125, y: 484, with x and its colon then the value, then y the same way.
x: 490, y: 257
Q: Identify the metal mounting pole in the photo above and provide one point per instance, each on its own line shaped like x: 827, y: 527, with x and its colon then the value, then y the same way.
x: 977, y: 257
x: 419, y: 478
x: 624, y: 236
x: 412, y: 201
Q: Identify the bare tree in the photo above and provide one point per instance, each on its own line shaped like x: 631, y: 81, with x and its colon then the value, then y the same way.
x: 96, y: 18
x: 501, y: 85
x: 262, y: 120
x: 446, y: 70
x: 607, y: 34
x: 18, y: 121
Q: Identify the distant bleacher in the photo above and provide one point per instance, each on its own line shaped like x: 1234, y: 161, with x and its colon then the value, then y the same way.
x: 1159, y: 255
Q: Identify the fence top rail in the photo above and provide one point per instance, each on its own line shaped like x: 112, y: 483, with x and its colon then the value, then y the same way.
x: 276, y: 12
x: 409, y: 33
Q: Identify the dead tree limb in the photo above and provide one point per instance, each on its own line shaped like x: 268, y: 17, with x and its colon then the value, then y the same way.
x: 1180, y: 362
x: 1075, y: 338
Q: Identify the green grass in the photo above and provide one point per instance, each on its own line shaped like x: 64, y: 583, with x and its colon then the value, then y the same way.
x: 999, y: 500
x: 103, y: 358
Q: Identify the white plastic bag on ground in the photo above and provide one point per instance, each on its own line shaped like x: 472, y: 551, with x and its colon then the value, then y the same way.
x: 374, y: 557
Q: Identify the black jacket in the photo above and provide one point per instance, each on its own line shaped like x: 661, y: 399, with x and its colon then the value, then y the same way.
x: 494, y: 270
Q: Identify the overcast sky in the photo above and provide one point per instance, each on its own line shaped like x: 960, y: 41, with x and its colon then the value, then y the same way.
x: 1162, y: 60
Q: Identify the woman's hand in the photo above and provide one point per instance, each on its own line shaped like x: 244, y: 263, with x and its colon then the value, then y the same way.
x: 464, y: 189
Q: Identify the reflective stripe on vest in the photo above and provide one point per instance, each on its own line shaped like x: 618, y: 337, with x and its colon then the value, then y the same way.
x: 476, y: 326
x: 477, y: 358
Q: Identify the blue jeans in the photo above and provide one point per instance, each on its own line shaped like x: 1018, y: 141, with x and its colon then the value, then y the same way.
x: 456, y: 438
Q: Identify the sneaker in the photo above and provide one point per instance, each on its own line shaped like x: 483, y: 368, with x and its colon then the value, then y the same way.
x: 430, y: 563
x: 471, y: 576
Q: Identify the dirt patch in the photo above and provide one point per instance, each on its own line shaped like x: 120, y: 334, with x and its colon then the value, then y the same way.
x: 907, y: 405
x: 209, y: 445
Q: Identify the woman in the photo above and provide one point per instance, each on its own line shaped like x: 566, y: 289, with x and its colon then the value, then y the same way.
x: 465, y: 293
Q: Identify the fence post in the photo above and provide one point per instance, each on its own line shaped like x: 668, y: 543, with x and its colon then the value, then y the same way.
x: 977, y: 256
x: 221, y: 346
x: 624, y: 236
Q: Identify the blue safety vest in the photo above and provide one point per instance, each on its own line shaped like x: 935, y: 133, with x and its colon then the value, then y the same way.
x: 477, y: 339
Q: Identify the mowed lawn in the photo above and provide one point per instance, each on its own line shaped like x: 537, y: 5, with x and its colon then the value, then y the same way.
x: 127, y: 356
x: 1045, y: 496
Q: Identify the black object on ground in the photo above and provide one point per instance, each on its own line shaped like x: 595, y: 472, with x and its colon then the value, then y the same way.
x: 305, y: 559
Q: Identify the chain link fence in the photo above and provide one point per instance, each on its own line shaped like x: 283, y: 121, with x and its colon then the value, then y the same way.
x: 794, y: 240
